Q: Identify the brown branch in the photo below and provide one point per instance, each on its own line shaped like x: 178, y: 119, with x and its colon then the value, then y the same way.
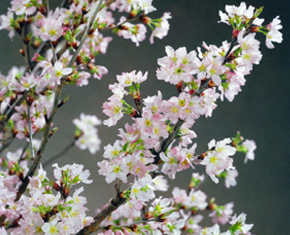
x: 165, y: 144
x: 26, y: 50
x: 30, y: 130
x: 65, y: 150
x: 6, y: 144
x: 113, y: 205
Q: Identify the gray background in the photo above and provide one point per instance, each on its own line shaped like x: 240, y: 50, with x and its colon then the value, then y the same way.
x: 260, y: 111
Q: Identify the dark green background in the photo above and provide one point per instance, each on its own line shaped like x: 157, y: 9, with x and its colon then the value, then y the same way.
x: 260, y: 111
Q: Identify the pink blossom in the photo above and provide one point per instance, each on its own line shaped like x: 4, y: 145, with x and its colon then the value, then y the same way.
x: 134, y: 32
x: 60, y: 71
x: 196, y: 199
x: 230, y: 179
x: 218, y: 159
x: 177, y: 66
x: 142, y: 189
x: 3, y: 231
x: 171, y: 164
x: 160, y: 206
x: 75, y: 173
x: 5, y: 23
x: 144, y: 5
x: 222, y: 214
x: 22, y: 6
x: 233, y: 85
x: 114, y: 151
x: 208, y: 102
x: 113, y: 109
x: 51, y: 29
x: 192, y: 224
x: 248, y: 43
x: 82, y: 79
x: 179, y: 195
x: 131, y: 209
x: 274, y: 35
x: 161, y: 28
x: 250, y: 146
x: 240, y: 222
x: 153, y: 102
x: 117, y: 169
x: 239, y: 12
x: 160, y: 183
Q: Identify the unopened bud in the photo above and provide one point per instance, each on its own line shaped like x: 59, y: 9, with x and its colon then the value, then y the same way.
x: 255, y: 29
x: 91, y: 31
x: 134, y: 114
x: 145, y: 19
x: 202, y: 156
x: 235, y: 33
x: 75, y: 45
x: 211, y: 206
x: 79, y: 59
x: 20, y: 175
x: 54, y: 43
x: 134, y: 228
x: 123, y: 27
x: 179, y: 87
x: 63, y: 101
x: 56, y: 186
x: 65, y: 192
x: 211, y: 84
x: 54, y: 210
x: 27, y: 38
x: 191, y: 92
x: 132, y: 14
x: 42, y: 10
x: 122, y: 194
x: 36, y: 43
x: 84, y: 9
x: 22, y: 52
x: 53, y: 131
x: 148, y: 215
x: 161, y: 218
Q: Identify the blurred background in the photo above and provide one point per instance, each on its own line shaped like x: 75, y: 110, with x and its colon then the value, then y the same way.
x: 260, y: 112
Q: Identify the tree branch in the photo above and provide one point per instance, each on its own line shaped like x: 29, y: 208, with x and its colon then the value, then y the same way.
x: 65, y: 150
x: 113, y: 205
x: 30, y: 131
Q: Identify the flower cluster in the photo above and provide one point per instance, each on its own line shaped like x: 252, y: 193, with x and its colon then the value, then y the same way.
x: 88, y: 137
x: 43, y: 211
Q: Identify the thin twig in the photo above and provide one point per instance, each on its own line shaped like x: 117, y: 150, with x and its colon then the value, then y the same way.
x: 202, y: 87
x: 54, y: 58
x: 118, y: 186
x: 22, y: 154
x: 6, y: 145
x: 30, y: 132
x: 129, y: 225
x: 116, y: 26
x: 26, y: 51
x: 63, y: 4
x: 165, y: 144
x: 47, y: 6
x: 65, y: 150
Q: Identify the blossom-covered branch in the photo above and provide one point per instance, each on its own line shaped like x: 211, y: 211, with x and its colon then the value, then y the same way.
x: 152, y: 149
